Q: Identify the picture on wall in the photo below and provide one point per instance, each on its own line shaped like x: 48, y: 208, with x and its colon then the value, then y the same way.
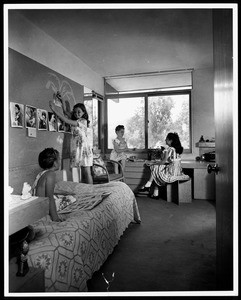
x: 60, y: 126
x: 30, y: 116
x: 42, y: 119
x: 52, y: 121
x: 17, y: 114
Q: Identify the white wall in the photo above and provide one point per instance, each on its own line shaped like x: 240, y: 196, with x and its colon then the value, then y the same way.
x: 32, y: 42
x: 27, y: 39
x: 202, y: 107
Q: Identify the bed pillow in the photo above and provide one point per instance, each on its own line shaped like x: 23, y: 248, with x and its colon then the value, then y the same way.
x: 63, y: 200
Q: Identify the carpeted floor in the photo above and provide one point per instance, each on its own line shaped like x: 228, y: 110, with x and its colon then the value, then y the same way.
x: 173, y: 249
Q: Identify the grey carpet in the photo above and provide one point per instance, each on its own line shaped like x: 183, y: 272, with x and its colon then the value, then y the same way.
x: 173, y: 249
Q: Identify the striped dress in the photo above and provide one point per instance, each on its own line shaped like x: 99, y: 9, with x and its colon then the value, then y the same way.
x: 169, y: 172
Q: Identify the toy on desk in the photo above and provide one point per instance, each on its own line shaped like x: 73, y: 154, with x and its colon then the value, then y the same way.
x: 26, y: 191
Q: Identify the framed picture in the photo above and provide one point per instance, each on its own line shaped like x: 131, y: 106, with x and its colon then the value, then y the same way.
x: 60, y: 125
x: 52, y: 121
x: 30, y: 116
x: 42, y: 119
x: 17, y: 114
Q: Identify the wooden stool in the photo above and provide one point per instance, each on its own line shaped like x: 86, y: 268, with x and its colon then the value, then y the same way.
x: 179, y: 191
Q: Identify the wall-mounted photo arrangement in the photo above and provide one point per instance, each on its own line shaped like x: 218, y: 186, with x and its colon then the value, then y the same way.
x: 61, y: 127
x: 17, y: 114
x: 30, y: 116
x: 52, y: 121
x: 42, y: 119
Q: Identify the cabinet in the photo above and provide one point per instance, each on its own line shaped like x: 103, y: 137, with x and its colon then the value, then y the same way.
x: 205, y: 147
x: 21, y: 214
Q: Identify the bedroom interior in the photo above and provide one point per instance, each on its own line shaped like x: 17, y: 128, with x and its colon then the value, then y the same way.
x: 101, y: 56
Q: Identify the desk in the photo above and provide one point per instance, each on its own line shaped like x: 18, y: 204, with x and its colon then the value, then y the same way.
x: 203, y: 183
x: 24, y: 212
x: 136, y: 175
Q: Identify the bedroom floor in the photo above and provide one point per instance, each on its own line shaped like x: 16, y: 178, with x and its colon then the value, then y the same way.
x: 173, y: 249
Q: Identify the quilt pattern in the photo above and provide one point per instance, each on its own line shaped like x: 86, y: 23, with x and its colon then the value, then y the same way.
x: 72, y: 250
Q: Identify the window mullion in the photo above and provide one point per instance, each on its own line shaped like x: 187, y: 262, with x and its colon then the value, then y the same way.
x: 146, y: 121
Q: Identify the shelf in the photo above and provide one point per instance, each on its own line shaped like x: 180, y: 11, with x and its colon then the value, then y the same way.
x: 205, y: 144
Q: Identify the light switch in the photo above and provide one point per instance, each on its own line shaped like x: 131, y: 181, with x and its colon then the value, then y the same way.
x: 32, y: 132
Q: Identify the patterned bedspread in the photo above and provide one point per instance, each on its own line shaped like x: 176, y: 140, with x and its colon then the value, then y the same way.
x: 72, y: 250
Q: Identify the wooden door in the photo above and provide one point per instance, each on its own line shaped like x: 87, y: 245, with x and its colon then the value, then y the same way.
x: 223, y: 107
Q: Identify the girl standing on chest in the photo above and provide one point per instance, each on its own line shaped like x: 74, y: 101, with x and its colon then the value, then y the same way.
x: 81, y: 152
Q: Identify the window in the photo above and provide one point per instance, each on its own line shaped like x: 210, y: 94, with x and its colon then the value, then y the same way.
x: 129, y: 112
x: 168, y: 114
x: 149, y: 118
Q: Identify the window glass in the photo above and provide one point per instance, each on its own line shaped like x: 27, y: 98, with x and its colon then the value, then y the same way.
x: 165, y: 113
x: 130, y: 113
x: 168, y: 114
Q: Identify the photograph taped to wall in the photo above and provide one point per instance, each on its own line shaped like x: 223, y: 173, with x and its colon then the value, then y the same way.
x: 60, y: 126
x: 30, y: 116
x: 17, y: 114
x: 42, y: 119
x: 52, y: 122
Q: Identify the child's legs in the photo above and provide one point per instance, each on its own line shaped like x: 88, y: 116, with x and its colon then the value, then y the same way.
x: 116, y: 168
x: 123, y: 163
x: 149, y: 182
x: 87, y: 175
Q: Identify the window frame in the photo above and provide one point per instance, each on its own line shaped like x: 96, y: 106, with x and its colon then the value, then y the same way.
x: 145, y: 96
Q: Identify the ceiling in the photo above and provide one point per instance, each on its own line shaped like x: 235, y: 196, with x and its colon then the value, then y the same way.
x: 131, y: 41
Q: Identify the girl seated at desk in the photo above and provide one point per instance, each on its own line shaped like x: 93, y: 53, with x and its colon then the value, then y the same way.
x: 168, y: 168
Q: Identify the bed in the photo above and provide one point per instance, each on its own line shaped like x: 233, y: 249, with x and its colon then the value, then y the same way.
x: 72, y: 250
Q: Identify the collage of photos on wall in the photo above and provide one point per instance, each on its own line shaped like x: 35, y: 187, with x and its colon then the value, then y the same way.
x: 31, y: 117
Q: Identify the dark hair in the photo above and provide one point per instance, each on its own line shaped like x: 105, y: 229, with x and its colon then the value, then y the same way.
x: 47, y: 158
x: 119, y: 127
x: 83, y: 108
x: 18, y: 107
x: 175, y: 142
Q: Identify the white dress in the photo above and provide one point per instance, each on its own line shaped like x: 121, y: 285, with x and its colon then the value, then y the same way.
x: 121, y: 155
x: 81, y: 145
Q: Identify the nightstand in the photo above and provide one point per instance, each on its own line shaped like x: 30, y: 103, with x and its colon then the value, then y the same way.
x: 21, y: 214
x: 24, y: 212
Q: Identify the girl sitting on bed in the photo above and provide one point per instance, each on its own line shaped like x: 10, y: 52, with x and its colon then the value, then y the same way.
x: 44, y: 183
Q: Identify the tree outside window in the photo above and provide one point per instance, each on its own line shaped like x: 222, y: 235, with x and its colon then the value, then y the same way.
x: 166, y: 113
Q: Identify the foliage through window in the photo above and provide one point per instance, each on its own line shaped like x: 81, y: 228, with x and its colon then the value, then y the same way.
x: 165, y: 113
x: 168, y: 114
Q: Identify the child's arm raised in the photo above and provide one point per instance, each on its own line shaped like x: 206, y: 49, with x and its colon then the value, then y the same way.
x: 59, y: 114
x: 49, y: 192
x: 59, y: 97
